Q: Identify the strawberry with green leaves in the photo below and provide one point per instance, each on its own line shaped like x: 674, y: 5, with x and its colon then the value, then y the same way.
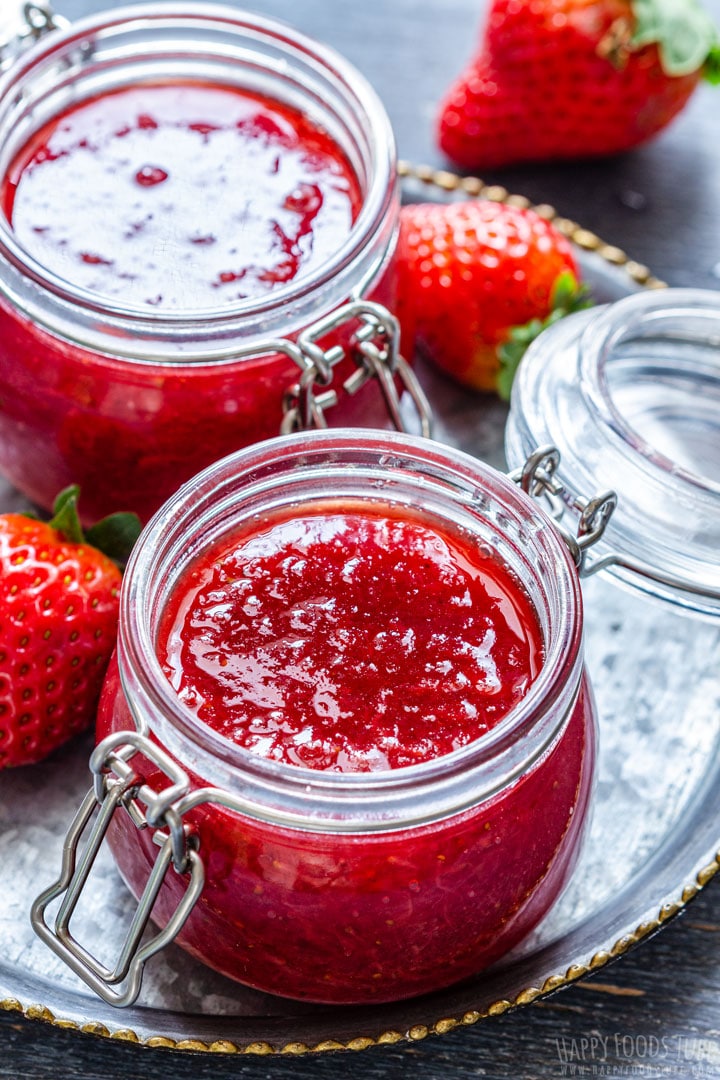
x: 480, y: 280
x: 566, y: 79
x: 58, y: 622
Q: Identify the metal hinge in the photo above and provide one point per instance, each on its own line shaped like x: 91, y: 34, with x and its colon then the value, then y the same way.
x: 537, y: 478
x: 119, y: 789
x: 21, y: 24
x: 374, y: 348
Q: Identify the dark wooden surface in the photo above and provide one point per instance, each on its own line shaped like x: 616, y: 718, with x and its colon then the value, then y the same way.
x: 655, y: 1013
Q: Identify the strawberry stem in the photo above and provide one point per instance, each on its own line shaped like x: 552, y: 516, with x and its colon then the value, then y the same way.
x: 65, y: 515
x: 566, y: 297
x: 684, y: 34
x: 115, y: 535
x: 711, y: 67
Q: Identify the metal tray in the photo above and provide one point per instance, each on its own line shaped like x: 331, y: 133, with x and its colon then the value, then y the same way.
x: 654, y: 839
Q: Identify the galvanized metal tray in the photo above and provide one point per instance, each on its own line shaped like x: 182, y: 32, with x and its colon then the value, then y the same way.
x: 654, y: 839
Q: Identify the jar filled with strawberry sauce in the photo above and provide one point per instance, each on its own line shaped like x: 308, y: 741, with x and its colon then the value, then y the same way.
x: 346, y: 750
x: 198, y: 215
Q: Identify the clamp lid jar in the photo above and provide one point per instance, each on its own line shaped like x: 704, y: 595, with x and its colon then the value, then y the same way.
x: 379, y: 882
x: 131, y: 393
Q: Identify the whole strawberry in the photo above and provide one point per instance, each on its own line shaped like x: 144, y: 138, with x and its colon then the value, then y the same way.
x: 575, y: 78
x: 481, y: 280
x: 58, y: 623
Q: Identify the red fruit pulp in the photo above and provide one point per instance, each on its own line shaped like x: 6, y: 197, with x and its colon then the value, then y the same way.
x: 350, y: 641
x: 180, y: 196
x: 357, y: 639
x: 168, y: 197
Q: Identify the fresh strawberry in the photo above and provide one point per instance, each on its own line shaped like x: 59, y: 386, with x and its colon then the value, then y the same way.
x: 575, y: 78
x: 58, y: 623
x: 481, y: 279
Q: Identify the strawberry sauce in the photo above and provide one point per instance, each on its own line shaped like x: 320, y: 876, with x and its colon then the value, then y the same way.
x: 350, y: 641
x: 180, y: 196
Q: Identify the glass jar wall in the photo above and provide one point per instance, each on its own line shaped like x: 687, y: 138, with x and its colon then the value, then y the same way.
x: 630, y: 395
x: 362, y: 886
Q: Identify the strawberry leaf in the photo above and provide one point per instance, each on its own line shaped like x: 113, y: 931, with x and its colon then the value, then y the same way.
x: 567, y: 294
x: 115, y: 535
x: 567, y: 297
x: 65, y: 515
x: 711, y: 69
x: 683, y: 32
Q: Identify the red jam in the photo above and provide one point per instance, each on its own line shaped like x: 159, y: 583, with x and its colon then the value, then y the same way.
x: 357, y: 639
x: 168, y: 197
x: 350, y: 641
x: 103, y: 196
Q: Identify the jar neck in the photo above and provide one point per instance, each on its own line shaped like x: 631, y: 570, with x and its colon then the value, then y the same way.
x: 401, y: 471
x: 121, y: 48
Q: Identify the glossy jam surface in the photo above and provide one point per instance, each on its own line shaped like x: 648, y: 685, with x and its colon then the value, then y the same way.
x: 350, y: 640
x: 180, y: 196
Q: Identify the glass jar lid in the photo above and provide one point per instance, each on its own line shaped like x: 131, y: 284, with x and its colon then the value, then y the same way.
x: 629, y: 394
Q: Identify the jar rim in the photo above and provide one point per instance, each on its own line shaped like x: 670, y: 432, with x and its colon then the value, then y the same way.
x: 348, y: 801
x: 134, y: 319
x: 598, y: 341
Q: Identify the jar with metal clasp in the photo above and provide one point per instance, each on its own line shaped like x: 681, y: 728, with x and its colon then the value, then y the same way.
x: 197, y: 235
x: 405, y: 793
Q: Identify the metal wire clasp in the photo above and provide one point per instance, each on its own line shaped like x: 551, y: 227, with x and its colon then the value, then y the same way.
x: 374, y: 348
x: 33, y: 21
x: 118, y: 788
x: 537, y: 478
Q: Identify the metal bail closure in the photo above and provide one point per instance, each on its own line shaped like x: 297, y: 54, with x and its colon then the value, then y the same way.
x: 537, y: 478
x: 374, y: 348
x: 23, y: 23
x: 118, y: 788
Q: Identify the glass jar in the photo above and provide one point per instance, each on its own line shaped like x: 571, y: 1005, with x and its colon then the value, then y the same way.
x: 131, y: 401
x: 339, y: 887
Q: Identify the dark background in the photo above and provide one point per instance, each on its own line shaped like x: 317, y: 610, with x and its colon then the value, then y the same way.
x: 661, y: 204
